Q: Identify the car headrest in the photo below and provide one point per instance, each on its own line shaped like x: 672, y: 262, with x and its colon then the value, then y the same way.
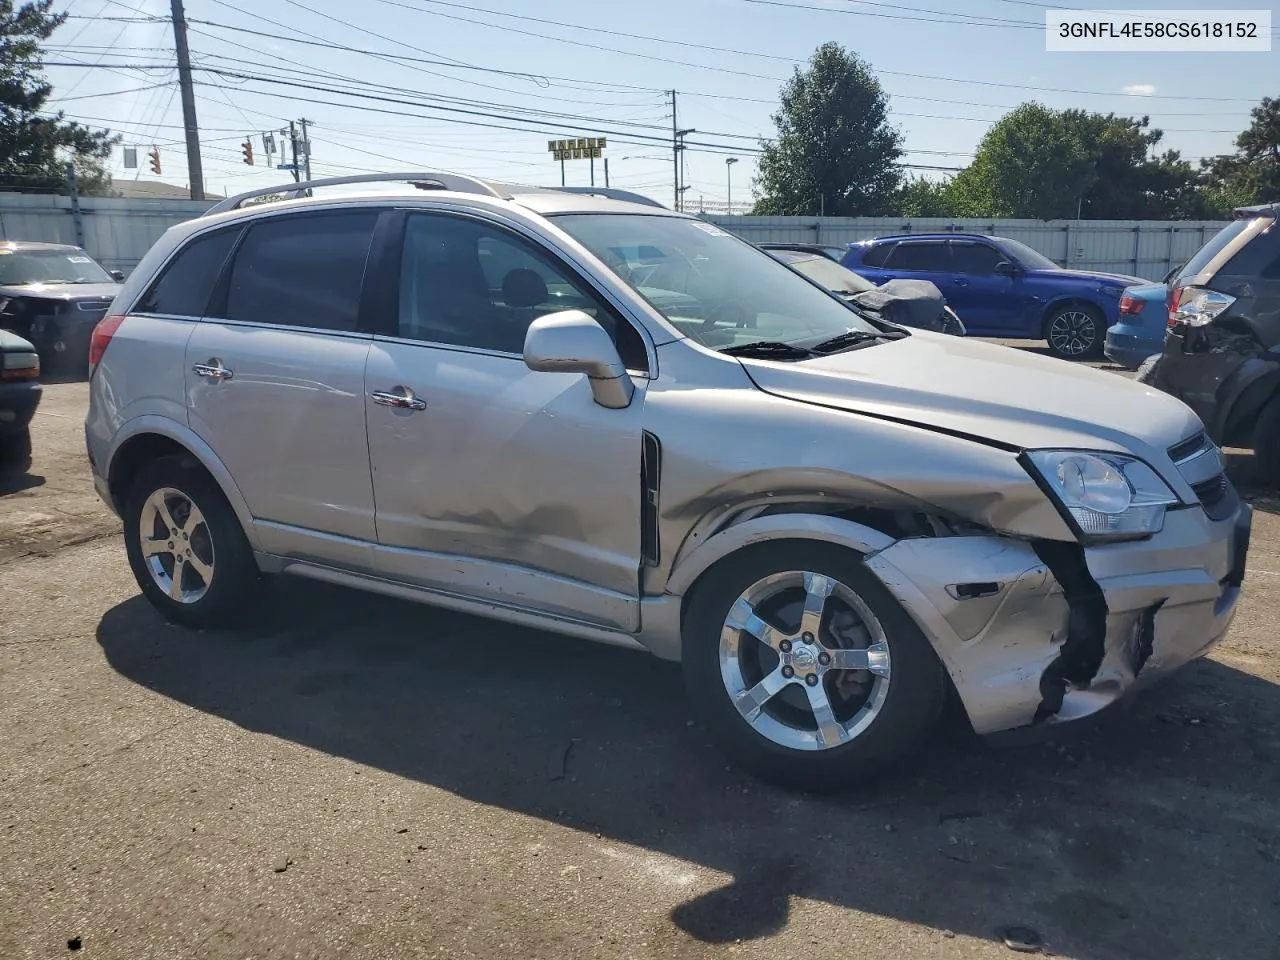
x: 524, y: 288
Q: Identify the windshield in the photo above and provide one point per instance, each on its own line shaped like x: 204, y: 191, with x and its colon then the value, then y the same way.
x: 50, y: 266
x: 714, y: 288
x: 1027, y: 257
x: 826, y: 272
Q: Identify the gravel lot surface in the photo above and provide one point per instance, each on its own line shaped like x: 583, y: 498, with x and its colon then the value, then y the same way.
x: 355, y: 777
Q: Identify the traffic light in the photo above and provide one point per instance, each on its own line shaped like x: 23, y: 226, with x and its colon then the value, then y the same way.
x: 248, y: 152
x: 155, y: 159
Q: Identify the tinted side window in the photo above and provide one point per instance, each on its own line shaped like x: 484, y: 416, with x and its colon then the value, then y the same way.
x: 921, y: 256
x: 302, y: 271
x: 1260, y: 257
x: 876, y: 256
x: 1215, y: 245
x: 184, y: 286
x: 974, y: 258
x: 465, y: 283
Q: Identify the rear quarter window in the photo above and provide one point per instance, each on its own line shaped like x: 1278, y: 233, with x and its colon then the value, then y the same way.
x: 184, y: 286
x: 1213, y: 247
x: 876, y: 255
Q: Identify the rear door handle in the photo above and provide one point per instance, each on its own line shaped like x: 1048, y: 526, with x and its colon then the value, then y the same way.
x: 213, y: 370
x: 401, y: 401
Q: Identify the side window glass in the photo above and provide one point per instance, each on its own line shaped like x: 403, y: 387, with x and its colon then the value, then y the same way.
x: 184, y: 286
x: 302, y: 271
x: 925, y: 257
x: 468, y: 284
x: 877, y: 255
x: 974, y: 258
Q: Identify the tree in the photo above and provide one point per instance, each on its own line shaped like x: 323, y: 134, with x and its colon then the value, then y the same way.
x: 1055, y: 164
x: 918, y: 197
x: 35, y: 145
x: 1252, y: 174
x: 835, y: 152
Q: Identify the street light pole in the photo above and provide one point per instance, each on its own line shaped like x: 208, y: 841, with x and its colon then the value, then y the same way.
x: 728, y: 173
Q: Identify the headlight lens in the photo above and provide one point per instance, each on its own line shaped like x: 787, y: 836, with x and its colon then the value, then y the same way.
x: 1110, y: 496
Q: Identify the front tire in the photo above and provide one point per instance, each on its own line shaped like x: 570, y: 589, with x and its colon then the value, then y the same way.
x: 185, y: 545
x: 1266, y: 442
x: 1075, y: 332
x: 805, y: 669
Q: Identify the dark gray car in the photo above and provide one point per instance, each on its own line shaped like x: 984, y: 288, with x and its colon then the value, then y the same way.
x: 53, y: 294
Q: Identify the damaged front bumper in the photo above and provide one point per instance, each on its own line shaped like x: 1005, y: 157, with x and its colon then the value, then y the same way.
x: 1050, y: 632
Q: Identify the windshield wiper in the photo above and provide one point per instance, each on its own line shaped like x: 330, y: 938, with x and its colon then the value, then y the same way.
x: 855, y: 338
x: 769, y: 350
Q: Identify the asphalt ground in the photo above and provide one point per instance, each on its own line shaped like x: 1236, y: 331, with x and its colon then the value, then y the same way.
x: 357, y: 777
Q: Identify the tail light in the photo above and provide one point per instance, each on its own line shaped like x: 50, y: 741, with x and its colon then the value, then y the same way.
x: 1197, y: 306
x: 102, y: 335
x: 1131, y: 305
x: 19, y: 366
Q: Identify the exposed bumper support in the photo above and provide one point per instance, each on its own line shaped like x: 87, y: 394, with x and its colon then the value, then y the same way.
x: 1054, y: 635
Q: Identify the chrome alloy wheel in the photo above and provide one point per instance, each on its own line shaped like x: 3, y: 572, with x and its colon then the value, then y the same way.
x: 176, y: 546
x: 804, y: 660
x: 1072, y: 333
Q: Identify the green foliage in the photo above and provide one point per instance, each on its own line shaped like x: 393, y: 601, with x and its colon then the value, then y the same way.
x: 1252, y: 174
x: 835, y: 152
x: 919, y: 197
x: 34, y: 148
x: 1041, y: 163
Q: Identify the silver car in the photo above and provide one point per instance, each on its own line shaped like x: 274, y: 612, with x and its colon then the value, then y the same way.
x: 602, y: 418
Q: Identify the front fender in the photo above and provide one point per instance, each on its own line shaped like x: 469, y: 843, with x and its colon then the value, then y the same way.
x: 789, y: 526
x: 184, y: 436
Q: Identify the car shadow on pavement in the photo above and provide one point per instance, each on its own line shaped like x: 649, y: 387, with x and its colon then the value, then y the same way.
x: 1152, y: 835
x: 16, y: 484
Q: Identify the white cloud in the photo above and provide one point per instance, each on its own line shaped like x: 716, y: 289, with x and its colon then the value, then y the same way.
x: 1139, y: 89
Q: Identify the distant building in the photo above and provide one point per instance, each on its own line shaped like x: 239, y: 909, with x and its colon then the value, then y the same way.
x: 148, y: 190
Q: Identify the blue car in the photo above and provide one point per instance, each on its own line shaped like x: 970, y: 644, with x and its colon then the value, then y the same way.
x: 1143, y: 321
x: 1002, y: 288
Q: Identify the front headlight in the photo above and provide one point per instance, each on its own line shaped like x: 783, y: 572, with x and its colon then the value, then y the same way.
x: 1109, y: 495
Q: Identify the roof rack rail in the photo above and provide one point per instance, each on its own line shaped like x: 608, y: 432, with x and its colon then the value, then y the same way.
x: 425, y: 181
x: 613, y: 193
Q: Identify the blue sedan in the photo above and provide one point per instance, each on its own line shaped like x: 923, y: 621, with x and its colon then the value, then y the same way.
x: 1002, y: 288
x: 1143, y: 321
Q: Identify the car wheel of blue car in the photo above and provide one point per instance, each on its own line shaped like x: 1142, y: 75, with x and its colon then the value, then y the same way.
x: 1075, y: 332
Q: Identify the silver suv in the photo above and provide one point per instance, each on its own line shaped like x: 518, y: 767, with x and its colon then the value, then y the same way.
x: 602, y: 418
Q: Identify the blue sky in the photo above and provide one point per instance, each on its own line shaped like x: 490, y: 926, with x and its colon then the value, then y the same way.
x: 949, y: 75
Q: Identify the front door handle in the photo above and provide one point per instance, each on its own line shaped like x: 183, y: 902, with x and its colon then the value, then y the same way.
x: 213, y: 370
x: 401, y: 401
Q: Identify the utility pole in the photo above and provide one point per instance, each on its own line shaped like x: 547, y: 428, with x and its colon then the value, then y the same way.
x: 728, y: 172
x: 293, y: 143
x: 681, y: 186
x: 195, y: 170
x: 675, y: 154
x: 306, y: 148
x: 606, y: 173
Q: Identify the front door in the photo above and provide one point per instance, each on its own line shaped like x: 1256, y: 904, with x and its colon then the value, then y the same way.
x: 493, y: 481
x: 985, y: 300
x: 275, y: 383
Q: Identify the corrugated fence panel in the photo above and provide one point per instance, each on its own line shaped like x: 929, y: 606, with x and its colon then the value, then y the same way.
x: 119, y: 231
x: 1141, y: 248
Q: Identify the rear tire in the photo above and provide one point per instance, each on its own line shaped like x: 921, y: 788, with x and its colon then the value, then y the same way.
x: 1266, y: 442
x: 765, y: 718
x: 15, y: 453
x: 1076, y: 332
x: 185, y: 545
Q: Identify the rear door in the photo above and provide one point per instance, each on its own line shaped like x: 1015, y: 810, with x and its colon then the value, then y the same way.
x: 275, y: 382
x: 493, y: 481
x: 918, y: 260
x: 985, y: 300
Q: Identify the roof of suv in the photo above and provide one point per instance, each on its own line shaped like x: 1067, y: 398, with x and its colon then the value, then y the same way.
x: 933, y: 236
x: 543, y: 200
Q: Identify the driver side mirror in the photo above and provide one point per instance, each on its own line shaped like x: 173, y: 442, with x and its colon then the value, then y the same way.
x: 572, y: 342
x: 1006, y: 269
x: 117, y: 275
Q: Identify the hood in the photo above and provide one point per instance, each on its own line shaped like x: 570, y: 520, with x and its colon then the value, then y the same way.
x: 990, y: 393
x: 1116, y: 279
x: 62, y: 291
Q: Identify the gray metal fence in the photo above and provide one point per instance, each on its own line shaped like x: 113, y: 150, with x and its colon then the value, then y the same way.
x: 119, y: 231
x: 1141, y: 248
x: 115, y: 232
